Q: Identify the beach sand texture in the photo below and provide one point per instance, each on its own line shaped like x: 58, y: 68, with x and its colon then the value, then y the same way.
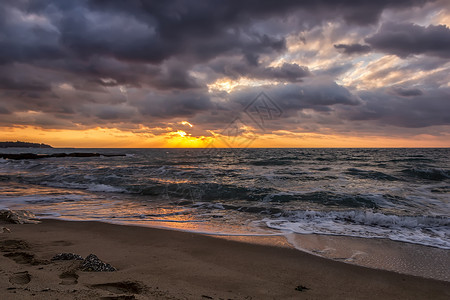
x: 163, y: 264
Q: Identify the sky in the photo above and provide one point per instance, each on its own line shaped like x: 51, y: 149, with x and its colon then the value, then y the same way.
x: 218, y: 73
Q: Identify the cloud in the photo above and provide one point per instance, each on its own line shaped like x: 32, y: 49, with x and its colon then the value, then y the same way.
x: 405, y: 92
x: 72, y: 64
x: 353, y: 48
x: 152, y: 32
x: 335, y: 69
x: 4, y: 111
x: 405, y: 39
x: 236, y: 68
x: 26, y: 38
x: 379, y: 106
x: 289, y: 72
x: 319, y: 95
x: 160, y: 106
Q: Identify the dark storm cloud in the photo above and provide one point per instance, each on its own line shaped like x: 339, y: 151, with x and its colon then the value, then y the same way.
x: 4, y: 111
x: 172, y: 105
x: 22, y: 84
x: 427, y: 109
x: 320, y: 96
x: 235, y: 68
x: 152, y: 31
x: 25, y: 41
x: 145, y: 31
x: 317, y: 95
x: 400, y: 106
x: 23, y: 78
x: 109, y: 112
x: 133, y: 62
x: 404, y: 39
x: 191, y: 16
x: 173, y: 75
x: 108, y: 71
x: 288, y: 72
x: 408, y: 92
x: 353, y: 48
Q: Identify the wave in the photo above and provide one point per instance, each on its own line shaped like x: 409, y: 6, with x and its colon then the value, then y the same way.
x: 441, y: 189
x: 272, y: 162
x: 5, y: 178
x: 326, y: 198
x: 369, y: 174
x: 411, y: 159
x: 322, y: 169
x: 203, y: 191
x: 218, y: 192
x: 435, y: 174
x: 262, y: 210
x: 43, y: 198
x: 426, y: 230
x: 104, y: 188
x: 187, y: 186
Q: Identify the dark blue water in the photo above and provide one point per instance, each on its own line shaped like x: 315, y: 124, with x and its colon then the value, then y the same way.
x: 400, y: 194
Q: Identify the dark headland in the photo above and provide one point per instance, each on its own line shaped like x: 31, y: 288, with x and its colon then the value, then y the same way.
x: 19, y: 144
x: 18, y: 156
x: 37, y: 156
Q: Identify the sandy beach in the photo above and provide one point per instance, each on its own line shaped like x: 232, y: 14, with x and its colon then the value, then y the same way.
x: 163, y: 264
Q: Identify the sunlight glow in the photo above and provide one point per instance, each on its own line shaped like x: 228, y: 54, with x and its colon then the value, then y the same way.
x: 180, y: 133
x: 186, y: 123
x: 145, y: 137
x: 228, y: 85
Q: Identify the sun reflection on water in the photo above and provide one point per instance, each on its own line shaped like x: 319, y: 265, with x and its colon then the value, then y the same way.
x: 80, y: 205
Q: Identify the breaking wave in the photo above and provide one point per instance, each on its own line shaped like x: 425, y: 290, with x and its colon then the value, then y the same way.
x: 425, y: 230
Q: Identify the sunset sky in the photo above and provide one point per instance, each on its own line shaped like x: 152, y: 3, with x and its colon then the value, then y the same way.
x: 329, y: 73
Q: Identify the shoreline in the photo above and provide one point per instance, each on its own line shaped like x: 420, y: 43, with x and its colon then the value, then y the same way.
x: 168, y: 264
x: 404, y: 257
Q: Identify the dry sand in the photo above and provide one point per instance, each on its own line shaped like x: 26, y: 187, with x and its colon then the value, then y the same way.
x: 164, y: 264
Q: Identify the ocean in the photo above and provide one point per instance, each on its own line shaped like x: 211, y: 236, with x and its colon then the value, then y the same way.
x: 396, y: 194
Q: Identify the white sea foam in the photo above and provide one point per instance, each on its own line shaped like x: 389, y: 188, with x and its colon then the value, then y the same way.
x: 426, y: 230
x: 36, y: 199
x: 281, y: 185
x: 92, y: 187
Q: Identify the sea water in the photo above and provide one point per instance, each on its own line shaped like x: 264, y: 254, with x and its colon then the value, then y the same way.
x: 396, y: 194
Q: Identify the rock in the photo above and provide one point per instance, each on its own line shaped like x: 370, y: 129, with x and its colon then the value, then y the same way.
x: 20, y: 156
x: 93, y: 264
x: 301, y: 288
x: 18, y: 216
x: 67, y: 256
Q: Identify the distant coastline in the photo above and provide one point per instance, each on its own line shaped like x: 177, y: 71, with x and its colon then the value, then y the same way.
x: 19, y: 144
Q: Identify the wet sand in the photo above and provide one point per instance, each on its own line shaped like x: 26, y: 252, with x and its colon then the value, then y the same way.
x: 164, y: 264
x: 401, y: 257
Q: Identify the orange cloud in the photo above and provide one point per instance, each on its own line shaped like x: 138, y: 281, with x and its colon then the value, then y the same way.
x: 116, y: 138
